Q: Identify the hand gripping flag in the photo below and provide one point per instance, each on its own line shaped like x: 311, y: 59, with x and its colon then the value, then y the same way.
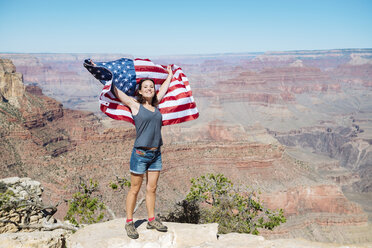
x: 177, y: 105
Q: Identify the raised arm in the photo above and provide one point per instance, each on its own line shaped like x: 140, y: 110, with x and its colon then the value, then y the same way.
x: 127, y: 100
x: 124, y: 98
x: 164, y: 87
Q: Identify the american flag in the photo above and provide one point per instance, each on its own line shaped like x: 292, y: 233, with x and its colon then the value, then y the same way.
x: 177, y: 105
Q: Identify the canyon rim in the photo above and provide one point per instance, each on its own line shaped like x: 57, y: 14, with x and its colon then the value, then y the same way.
x: 294, y: 125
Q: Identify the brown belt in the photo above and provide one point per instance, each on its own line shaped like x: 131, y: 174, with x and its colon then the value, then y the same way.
x: 150, y: 148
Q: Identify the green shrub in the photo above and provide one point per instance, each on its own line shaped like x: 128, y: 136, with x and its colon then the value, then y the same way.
x: 120, y: 181
x: 213, y: 199
x: 7, y: 200
x: 83, y: 207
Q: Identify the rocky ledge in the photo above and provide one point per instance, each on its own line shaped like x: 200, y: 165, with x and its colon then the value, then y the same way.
x: 112, y: 234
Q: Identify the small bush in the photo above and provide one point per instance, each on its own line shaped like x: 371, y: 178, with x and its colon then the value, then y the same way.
x: 83, y: 207
x: 213, y: 199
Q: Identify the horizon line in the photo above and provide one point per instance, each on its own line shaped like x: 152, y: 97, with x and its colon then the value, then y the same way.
x: 200, y: 54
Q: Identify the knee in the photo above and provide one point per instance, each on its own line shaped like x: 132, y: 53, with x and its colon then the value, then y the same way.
x: 134, y: 191
x: 151, y: 188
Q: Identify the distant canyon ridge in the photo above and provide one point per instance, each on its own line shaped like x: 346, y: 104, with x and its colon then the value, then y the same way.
x: 295, y: 125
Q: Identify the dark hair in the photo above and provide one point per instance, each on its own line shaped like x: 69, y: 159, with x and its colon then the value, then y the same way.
x: 141, y: 99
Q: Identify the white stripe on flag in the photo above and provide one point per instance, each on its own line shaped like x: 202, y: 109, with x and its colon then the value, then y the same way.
x: 179, y: 114
x: 103, y: 98
x: 176, y: 82
x: 176, y: 92
x: 112, y: 96
x: 145, y: 63
x: 146, y: 74
x: 172, y: 103
x: 177, y: 74
x: 119, y: 112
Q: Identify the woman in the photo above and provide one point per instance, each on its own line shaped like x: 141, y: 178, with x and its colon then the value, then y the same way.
x: 146, y: 155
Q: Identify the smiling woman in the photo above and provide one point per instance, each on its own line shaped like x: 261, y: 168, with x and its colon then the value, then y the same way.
x: 149, y: 96
x: 148, y: 86
x: 119, y: 78
x: 146, y: 154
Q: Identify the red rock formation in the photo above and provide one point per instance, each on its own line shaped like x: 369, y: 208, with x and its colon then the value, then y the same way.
x: 59, y: 145
x: 312, y: 199
x: 34, y: 90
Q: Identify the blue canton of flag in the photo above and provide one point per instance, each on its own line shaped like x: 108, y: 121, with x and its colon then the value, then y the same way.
x: 121, y: 72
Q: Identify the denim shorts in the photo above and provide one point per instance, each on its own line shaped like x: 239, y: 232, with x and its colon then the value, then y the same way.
x: 145, y: 160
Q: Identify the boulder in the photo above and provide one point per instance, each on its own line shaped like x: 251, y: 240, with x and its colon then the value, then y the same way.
x: 113, y: 234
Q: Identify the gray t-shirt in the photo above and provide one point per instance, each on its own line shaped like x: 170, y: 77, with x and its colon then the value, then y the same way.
x: 148, y: 128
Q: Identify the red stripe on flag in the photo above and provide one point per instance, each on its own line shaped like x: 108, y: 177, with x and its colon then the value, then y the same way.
x: 147, y: 68
x: 177, y: 108
x: 156, y: 80
x: 180, y: 120
x: 107, y: 95
x: 179, y: 78
x: 179, y: 96
x: 119, y: 106
x: 116, y: 117
x: 176, y: 86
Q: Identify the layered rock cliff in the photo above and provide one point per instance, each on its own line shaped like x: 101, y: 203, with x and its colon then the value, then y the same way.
x: 302, y: 99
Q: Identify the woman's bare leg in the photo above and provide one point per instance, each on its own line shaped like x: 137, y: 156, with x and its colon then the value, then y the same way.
x: 135, y: 186
x: 151, y: 185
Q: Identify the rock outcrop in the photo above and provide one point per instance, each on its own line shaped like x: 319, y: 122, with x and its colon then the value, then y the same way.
x: 22, y: 207
x: 112, y: 234
x: 38, y: 239
x: 25, y: 220
x: 11, y: 83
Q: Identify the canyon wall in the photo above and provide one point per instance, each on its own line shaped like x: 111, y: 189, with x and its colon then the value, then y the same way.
x: 294, y: 125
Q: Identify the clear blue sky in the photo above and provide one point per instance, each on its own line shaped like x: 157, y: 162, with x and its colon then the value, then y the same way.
x: 183, y: 27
